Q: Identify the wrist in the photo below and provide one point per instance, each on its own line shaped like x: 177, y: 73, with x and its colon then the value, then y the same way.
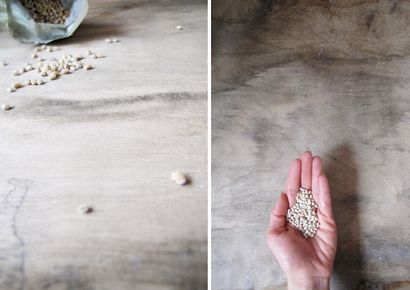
x: 309, y: 283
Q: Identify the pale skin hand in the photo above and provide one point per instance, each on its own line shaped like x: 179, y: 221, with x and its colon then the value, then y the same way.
x: 307, y: 263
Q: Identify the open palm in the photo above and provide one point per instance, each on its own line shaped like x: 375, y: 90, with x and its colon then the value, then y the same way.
x: 304, y: 259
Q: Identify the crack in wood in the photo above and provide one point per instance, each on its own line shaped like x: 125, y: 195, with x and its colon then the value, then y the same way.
x: 11, y: 206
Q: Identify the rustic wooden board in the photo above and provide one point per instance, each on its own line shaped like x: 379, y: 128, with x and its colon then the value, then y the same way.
x: 312, y: 76
x: 110, y: 138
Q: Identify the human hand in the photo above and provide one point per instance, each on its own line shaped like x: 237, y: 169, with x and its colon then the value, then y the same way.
x: 307, y: 263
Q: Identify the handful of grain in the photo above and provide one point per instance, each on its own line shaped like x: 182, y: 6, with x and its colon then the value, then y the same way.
x: 302, y: 215
x: 46, y: 11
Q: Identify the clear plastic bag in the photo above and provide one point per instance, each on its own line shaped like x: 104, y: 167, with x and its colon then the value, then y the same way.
x: 22, y: 26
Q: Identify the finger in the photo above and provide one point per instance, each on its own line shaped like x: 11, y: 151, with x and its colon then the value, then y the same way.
x: 306, y: 170
x: 317, y: 169
x: 325, y: 200
x: 293, y: 181
x: 278, y: 215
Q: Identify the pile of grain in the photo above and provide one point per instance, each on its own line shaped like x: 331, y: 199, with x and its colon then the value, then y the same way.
x: 302, y: 215
x: 46, y: 11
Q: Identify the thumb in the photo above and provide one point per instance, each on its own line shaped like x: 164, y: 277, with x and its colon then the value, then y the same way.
x: 278, y: 216
x: 325, y: 201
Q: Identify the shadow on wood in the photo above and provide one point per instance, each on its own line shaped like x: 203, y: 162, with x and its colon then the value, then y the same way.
x: 341, y: 168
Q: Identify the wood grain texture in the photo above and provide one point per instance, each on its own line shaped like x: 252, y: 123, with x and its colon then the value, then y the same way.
x: 313, y: 76
x: 110, y: 138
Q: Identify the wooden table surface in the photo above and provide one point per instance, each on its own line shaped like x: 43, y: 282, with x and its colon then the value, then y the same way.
x: 109, y: 138
x: 332, y: 77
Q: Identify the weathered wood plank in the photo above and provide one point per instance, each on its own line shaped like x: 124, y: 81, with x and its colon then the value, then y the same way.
x: 313, y: 76
x: 110, y: 138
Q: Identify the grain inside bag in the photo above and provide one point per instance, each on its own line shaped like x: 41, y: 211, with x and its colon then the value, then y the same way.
x: 42, y: 21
